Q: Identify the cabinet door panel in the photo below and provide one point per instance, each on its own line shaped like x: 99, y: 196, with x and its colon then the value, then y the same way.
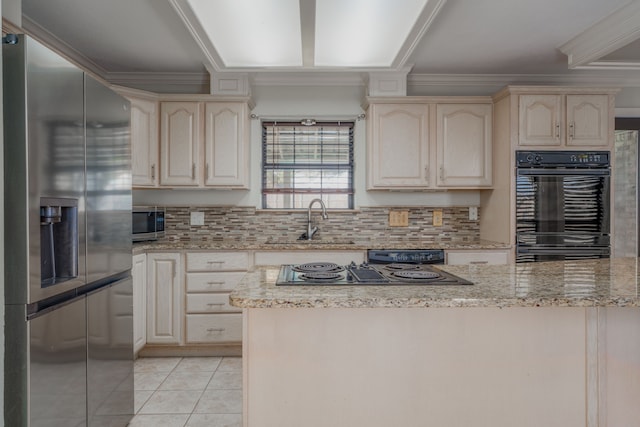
x: 588, y: 120
x: 540, y: 118
x: 179, y: 143
x: 139, y: 275
x: 399, y: 146
x: 144, y: 143
x: 464, y: 145
x: 226, y: 144
x: 164, y: 296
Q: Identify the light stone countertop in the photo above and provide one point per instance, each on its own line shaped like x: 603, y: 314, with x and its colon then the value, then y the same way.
x: 587, y: 283
x: 322, y: 244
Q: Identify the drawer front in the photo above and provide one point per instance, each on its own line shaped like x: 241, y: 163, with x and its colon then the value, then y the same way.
x: 213, y: 282
x: 217, y: 261
x: 214, y: 328
x: 210, y: 303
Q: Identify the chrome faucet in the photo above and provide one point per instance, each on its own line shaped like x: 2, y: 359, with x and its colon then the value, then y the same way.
x: 312, y: 230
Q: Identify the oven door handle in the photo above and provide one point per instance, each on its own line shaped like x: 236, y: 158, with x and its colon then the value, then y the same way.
x: 563, y: 172
x: 563, y: 250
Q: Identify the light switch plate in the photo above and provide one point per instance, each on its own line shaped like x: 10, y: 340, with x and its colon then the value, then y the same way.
x: 473, y: 213
x: 398, y: 218
x: 197, y: 218
x: 437, y: 217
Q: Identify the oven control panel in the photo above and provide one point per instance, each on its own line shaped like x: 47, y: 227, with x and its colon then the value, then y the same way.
x: 593, y: 159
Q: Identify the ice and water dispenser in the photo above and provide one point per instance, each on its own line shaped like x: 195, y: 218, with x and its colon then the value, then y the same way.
x: 58, y: 240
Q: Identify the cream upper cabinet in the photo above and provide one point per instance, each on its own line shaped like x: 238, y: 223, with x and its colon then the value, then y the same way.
x: 144, y: 142
x: 565, y: 120
x: 180, y: 143
x: 588, y: 120
x: 204, y: 144
x: 540, y: 120
x: 429, y: 143
x: 463, y: 145
x: 226, y: 147
x: 398, y: 146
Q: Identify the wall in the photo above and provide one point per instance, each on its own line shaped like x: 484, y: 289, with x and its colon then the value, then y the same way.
x: 319, y: 102
x: 2, y: 234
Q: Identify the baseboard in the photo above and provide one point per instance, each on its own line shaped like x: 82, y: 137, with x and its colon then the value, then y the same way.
x: 191, y: 351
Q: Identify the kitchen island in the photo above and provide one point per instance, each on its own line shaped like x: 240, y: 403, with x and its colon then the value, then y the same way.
x: 553, y: 344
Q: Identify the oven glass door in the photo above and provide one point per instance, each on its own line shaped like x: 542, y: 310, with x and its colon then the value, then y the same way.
x: 560, y: 214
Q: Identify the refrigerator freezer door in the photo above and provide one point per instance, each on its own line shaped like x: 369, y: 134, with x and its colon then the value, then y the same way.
x: 46, y: 386
x: 108, y: 182
x: 110, y: 355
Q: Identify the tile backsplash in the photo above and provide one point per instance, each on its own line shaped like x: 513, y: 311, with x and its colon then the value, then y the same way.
x: 250, y: 224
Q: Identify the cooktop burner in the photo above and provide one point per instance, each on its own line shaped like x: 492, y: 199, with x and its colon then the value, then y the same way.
x: 324, y: 273
x: 416, y: 275
x: 320, y: 276
x: 317, y: 267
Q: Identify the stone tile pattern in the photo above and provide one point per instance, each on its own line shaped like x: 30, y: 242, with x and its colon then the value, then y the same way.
x: 587, y: 283
x: 370, y: 223
x: 188, y: 392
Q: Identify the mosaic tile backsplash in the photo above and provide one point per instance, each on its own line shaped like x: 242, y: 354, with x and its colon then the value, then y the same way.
x: 250, y: 224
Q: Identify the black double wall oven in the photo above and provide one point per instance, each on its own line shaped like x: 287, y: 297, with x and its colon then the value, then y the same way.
x: 562, y: 205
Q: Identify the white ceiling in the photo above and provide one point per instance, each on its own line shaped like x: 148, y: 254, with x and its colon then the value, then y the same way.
x: 145, y: 43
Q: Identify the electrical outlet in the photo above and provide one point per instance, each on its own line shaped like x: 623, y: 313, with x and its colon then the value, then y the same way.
x: 473, y: 213
x: 437, y: 217
x: 398, y: 218
x: 197, y: 218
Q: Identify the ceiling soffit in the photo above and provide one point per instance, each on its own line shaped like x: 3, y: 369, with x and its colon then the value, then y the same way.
x: 588, y: 49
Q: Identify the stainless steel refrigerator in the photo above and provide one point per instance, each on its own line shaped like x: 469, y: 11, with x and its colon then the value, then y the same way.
x: 68, y: 289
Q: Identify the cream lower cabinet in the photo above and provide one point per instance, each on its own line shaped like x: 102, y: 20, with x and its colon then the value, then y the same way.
x: 164, y: 298
x: 459, y: 257
x: 139, y: 275
x: 304, y: 256
x: 210, y: 277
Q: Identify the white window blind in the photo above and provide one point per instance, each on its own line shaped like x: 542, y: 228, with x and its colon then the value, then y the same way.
x: 301, y: 163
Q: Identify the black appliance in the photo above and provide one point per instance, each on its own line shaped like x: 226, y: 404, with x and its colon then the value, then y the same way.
x: 562, y: 205
x: 147, y: 223
x: 384, y: 268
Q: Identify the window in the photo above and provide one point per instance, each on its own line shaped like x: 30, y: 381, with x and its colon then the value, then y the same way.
x: 301, y: 162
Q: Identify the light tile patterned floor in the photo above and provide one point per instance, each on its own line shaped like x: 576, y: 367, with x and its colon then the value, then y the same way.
x: 188, y: 392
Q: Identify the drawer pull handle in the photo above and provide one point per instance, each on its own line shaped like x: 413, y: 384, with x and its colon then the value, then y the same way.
x: 479, y: 262
x: 215, y: 262
x: 215, y: 330
x: 216, y: 304
x: 215, y: 283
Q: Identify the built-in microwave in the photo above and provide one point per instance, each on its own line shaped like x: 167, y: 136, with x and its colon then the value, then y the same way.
x: 148, y: 223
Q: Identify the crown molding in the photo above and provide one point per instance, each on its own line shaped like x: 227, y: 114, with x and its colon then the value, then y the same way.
x: 53, y: 42
x: 308, y: 79
x: 500, y: 80
x: 608, y: 35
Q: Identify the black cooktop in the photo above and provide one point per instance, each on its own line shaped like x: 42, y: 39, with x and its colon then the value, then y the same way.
x: 323, y: 273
